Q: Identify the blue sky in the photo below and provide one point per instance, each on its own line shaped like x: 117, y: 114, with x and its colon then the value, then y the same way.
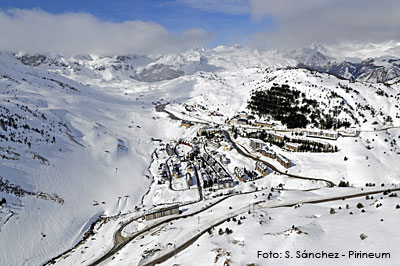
x: 107, y: 27
x: 175, y: 16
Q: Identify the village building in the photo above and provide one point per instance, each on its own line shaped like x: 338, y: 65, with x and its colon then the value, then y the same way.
x: 349, y: 132
x: 161, y: 168
x: 189, y: 179
x: 252, y: 133
x: 193, y: 153
x: 222, y: 173
x: 169, y: 150
x: 222, y: 159
x: 267, y: 153
x: 185, y: 142
x: 278, y: 137
x: 186, y: 123
x: 175, y: 173
x: 325, y: 145
x: 262, y: 124
x: 174, y: 209
x: 330, y: 135
x: 206, y: 178
x: 243, y: 115
x: 242, y: 121
x: 292, y: 146
x: 164, y: 175
x: 225, y: 183
x: 227, y: 147
x: 313, y: 133
x: 211, y: 161
x: 322, y: 134
x: 285, y: 162
x: 189, y: 168
x: 262, y: 168
x: 240, y: 174
x: 238, y: 121
x: 208, y: 130
x: 217, y: 167
x: 256, y: 144
x: 215, y: 145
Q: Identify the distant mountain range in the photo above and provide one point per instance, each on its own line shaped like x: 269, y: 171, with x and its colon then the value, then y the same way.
x: 153, y: 68
x: 380, y: 69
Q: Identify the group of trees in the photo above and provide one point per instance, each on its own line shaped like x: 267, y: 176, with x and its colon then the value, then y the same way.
x: 11, y: 123
x: 3, y: 201
x: 292, y: 108
x: 7, y: 187
x: 227, y: 231
x: 281, y: 103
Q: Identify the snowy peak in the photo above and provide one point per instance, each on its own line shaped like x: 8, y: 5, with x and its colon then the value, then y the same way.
x: 309, y: 57
x: 380, y: 69
x: 154, y: 68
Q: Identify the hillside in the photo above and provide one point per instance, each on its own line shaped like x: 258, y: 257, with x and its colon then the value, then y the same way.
x: 78, y: 138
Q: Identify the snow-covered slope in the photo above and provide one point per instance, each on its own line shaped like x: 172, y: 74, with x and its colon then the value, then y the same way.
x: 74, y: 152
x: 76, y: 137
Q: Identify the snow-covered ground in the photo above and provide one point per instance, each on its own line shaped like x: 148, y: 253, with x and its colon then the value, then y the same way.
x: 297, y: 231
x: 101, y: 159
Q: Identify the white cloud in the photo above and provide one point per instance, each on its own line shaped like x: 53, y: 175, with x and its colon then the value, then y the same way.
x: 37, y: 31
x: 301, y: 22
x: 234, y: 7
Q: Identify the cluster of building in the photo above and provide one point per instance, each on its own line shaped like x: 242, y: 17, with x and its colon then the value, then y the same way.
x: 209, y: 130
x: 193, y: 152
x: 222, y: 178
x: 243, y: 118
x: 163, y: 172
x: 259, y: 146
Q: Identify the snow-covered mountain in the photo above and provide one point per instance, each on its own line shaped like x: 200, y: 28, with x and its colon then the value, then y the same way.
x: 155, y: 68
x: 77, y: 134
x: 150, y: 68
x: 372, y: 69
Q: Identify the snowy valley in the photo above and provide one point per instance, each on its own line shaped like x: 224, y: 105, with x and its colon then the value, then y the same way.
x: 199, y: 158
